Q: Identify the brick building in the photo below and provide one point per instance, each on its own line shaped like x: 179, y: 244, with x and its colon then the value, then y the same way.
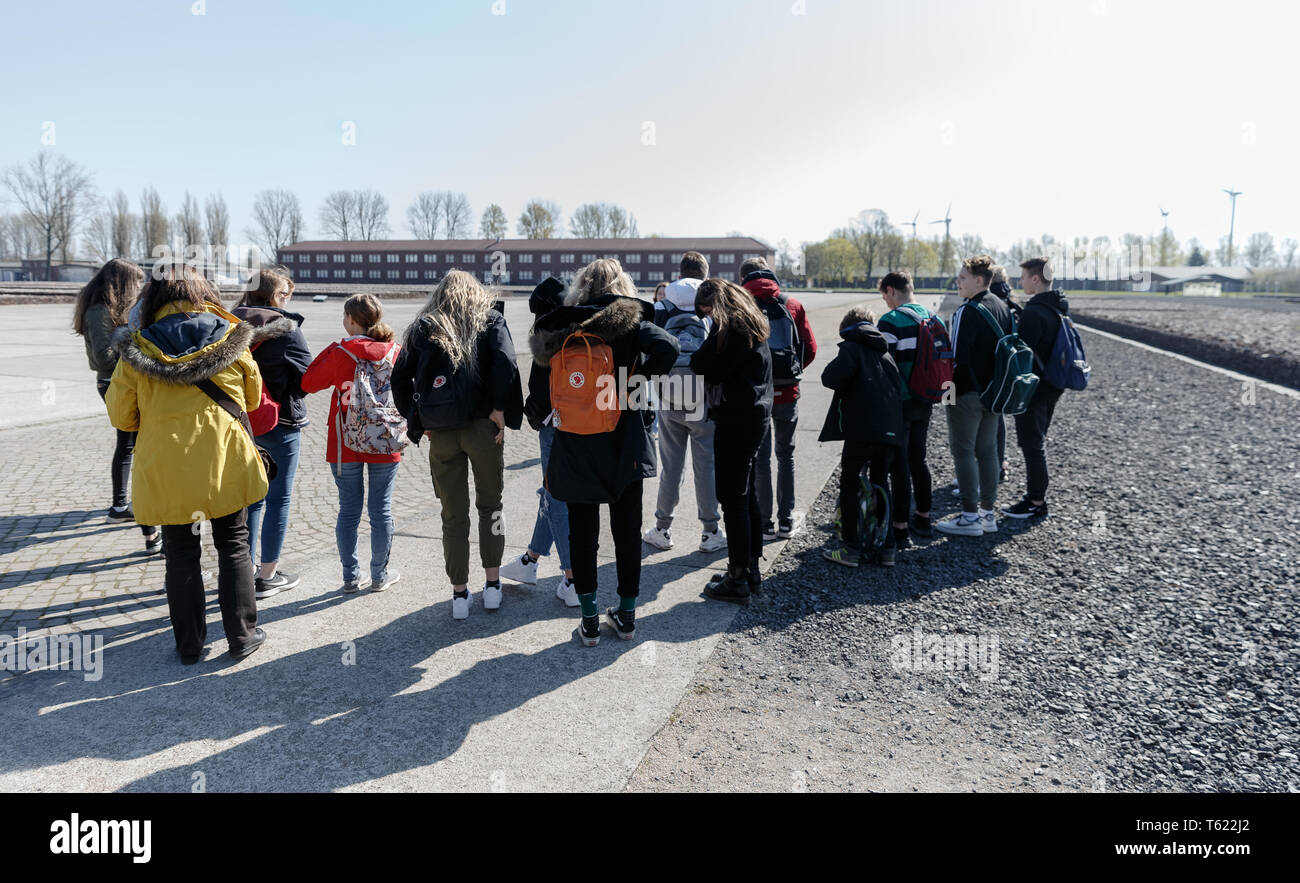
x: 508, y: 261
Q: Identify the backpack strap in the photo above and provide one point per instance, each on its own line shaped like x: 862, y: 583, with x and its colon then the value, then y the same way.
x: 994, y: 322
x: 218, y: 395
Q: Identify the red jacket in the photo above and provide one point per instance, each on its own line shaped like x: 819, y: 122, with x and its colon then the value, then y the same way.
x: 334, y: 368
x: 763, y: 286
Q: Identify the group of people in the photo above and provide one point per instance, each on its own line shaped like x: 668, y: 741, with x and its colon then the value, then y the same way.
x: 211, y: 404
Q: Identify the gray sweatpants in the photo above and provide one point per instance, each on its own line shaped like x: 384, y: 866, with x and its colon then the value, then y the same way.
x: 973, y: 439
x: 784, y: 422
x: 676, y: 429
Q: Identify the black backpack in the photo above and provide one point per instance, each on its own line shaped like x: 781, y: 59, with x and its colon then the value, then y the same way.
x: 443, y: 396
x: 783, y: 341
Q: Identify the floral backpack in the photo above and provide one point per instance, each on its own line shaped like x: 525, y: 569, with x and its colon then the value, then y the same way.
x: 368, y: 421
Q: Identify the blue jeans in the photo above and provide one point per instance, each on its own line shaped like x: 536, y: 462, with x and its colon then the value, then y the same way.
x: 350, y: 478
x: 552, y: 524
x: 283, y: 444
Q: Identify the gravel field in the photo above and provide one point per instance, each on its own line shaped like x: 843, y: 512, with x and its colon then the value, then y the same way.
x: 1142, y: 638
x: 1253, y: 335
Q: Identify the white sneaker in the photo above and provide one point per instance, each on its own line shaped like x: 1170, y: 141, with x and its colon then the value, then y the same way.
x: 460, y: 607
x: 567, y: 592
x: 964, y: 524
x: 520, y: 570
x: 658, y: 537
x: 387, y: 583
x: 491, y: 597
x: 989, y: 521
x: 712, y: 542
x: 956, y: 492
x: 787, y: 529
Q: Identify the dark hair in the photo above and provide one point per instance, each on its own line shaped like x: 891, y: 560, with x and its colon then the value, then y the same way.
x: 173, y: 281
x: 752, y: 265
x: 366, y: 311
x: 270, y: 282
x: 116, y: 285
x: 900, y: 280
x: 694, y: 266
x: 1040, y: 267
x: 981, y: 265
x: 857, y: 316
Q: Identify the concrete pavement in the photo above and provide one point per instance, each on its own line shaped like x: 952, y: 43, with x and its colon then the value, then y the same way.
x: 368, y: 692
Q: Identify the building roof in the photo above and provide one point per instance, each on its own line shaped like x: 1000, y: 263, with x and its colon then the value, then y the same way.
x: 675, y: 244
x: 1235, y: 274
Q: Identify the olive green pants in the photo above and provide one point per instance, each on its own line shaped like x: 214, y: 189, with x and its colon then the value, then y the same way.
x: 452, y: 454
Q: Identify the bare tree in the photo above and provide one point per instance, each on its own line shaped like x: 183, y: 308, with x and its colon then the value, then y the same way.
x: 494, y: 224
x: 54, y: 195
x: 868, y: 233
x: 277, y: 216
x: 457, y: 216
x: 1260, y: 250
x: 621, y: 224
x: 338, y: 216
x: 154, y: 230
x: 216, y: 219
x: 1287, y: 252
x: 540, y: 219
x: 589, y: 221
x: 424, y: 215
x: 125, y: 226
x: 189, y: 222
x: 99, y: 236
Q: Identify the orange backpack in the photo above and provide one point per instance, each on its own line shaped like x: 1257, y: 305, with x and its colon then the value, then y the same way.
x: 577, y: 402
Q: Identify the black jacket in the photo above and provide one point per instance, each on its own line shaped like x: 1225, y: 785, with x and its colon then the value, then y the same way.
x: 737, y: 378
x: 1041, y: 322
x: 547, y: 296
x: 1003, y: 291
x: 868, y: 402
x: 975, y: 340
x: 494, y: 386
x: 282, y: 355
x: 598, y: 468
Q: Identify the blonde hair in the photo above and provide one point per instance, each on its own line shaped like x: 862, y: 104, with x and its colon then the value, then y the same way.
x: 368, y: 312
x: 600, y: 277
x: 458, y: 312
x: 734, y: 311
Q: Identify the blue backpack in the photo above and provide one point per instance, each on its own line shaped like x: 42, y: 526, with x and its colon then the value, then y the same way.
x: 1067, y: 367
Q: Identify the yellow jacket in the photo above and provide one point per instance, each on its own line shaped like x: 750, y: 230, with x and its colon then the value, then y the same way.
x: 193, y: 461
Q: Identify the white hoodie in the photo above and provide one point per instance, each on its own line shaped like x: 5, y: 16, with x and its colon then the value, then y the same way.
x: 680, y: 294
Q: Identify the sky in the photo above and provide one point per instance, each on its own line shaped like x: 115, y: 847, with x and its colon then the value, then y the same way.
x: 776, y: 118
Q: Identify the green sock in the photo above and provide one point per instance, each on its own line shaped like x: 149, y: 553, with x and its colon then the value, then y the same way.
x: 588, y: 603
x: 627, y: 605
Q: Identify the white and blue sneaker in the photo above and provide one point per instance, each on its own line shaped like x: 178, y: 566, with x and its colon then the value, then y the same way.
x: 989, y: 520
x: 963, y: 524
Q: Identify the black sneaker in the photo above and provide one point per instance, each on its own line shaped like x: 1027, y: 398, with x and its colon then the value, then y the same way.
x: 887, y: 556
x: 901, y: 538
x: 281, y: 582
x: 253, y: 645
x: 920, y: 526
x: 769, y: 532
x: 1025, y: 509
x: 120, y: 514
x: 588, y: 631
x: 153, y: 544
x: 755, y: 579
x: 733, y: 588
x: 622, y: 621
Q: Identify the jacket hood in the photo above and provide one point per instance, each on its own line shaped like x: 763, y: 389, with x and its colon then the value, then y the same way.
x: 184, y: 348
x: 1054, y: 299
x: 762, y: 284
x: 268, y: 322
x: 609, y: 317
x: 681, y: 294
x: 547, y: 296
x: 867, y: 334
x: 367, y: 347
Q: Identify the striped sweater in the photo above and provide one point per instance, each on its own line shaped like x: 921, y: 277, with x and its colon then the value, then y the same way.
x: 900, y: 328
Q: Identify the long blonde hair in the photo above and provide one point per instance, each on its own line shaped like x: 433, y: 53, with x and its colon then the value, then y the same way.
x: 734, y: 311
x: 458, y: 312
x: 600, y: 277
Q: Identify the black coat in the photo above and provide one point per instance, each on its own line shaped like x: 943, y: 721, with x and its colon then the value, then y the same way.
x: 547, y: 296
x: 495, y: 386
x: 737, y: 378
x: 868, y: 402
x: 282, y: 355
x: 598, y: 468
x: 1041, y: 322
x: 975, y: 341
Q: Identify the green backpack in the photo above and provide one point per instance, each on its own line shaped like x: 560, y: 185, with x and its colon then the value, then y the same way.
x: 1014, y: 380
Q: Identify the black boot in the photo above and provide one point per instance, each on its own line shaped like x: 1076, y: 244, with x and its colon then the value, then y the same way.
x: 754, y: 576
x: 733, y: 587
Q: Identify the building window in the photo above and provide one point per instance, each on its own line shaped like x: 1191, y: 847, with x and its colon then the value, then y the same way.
x: 288, y: 259
x: 430, y: 258
x: 412, y: 274
x: 340, y: 259
x: 726, y: 258
x: 430, y: 274
x: 394, y: 274
x: 525, y: 275
x: 525, y: 259
x: 451, y: 259
x: 468, y: 258
x: 567, y: 259
x: 374, y: 274
x: 748, y: 256
x: 546, y: 259
x: 393, y: 258
x: 374, y: 258
x: 633, y: 259
x: 588, y: 258
x: 322, y: 258
x: 730, y: 277
x: 656, y: 259
x: 356, y: 274
x: 636, y: 275
x: 322, y: 274
x: 356, y: 258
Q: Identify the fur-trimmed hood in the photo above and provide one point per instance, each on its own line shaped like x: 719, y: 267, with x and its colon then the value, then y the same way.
x: 184, y: 348
x: 610, y: 317
x: 268, y: 322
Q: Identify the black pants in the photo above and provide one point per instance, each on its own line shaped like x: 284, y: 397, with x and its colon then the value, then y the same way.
x: 122, y: 455
x: 910, y: 474
x: 735, y: 465
x: 878, y: 459
x: 1031, y: 435
x: 185, y: 596
x: 584, y: 541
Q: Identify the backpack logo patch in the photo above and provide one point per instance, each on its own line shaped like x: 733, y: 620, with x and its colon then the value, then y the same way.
x: 440, y: 381
x: 576, y: 380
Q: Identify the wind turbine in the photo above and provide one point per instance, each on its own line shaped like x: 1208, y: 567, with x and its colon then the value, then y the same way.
x: 1164, y: 238
x: 946, y: 220
x: 1232, y: 224
x: 912, y: 224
